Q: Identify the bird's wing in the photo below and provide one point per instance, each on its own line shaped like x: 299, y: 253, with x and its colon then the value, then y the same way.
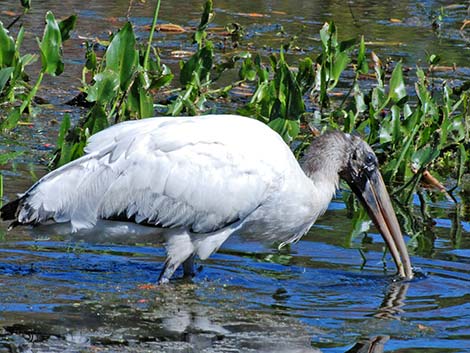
x: 173, y: 172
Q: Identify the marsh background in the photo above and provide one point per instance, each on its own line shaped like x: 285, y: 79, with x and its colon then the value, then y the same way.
x: 64, y: 294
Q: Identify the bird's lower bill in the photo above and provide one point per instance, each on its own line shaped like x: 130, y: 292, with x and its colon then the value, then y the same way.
x: 377, y: 202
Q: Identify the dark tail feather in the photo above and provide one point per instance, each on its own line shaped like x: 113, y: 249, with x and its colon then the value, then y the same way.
x: 9, y: 211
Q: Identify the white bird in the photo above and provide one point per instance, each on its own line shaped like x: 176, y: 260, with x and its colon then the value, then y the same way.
x: 201, y: 179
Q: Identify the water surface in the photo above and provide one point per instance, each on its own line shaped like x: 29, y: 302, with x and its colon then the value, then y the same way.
x: 70, y: 294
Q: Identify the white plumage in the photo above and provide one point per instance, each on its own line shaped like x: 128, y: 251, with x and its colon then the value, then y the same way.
x: 201, y: 178
x: 192, y: 171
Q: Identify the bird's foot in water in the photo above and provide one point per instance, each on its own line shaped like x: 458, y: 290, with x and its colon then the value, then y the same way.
x: 188, y: 267
x: 170, y: 267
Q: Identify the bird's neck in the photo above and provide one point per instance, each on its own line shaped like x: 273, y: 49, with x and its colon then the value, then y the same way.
x: 324, y: 159
x: 324, y: 186
x: 316, y: 193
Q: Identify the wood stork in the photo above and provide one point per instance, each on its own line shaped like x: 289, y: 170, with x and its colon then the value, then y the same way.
x: 201, y: 179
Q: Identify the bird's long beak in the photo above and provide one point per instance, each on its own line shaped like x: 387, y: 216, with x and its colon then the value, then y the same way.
x: 376, y: 200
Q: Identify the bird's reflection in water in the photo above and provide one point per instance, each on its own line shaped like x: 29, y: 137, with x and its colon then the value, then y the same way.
x: 371, y: 345
x: 394, y: 300
x: 391, y: 308
x: 181, y: 319
x: 173, y: 318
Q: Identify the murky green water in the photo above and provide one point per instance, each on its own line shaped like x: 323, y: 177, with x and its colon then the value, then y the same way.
x: 93, y: 293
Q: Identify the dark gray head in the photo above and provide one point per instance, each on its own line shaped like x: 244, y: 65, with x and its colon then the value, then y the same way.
x: 341, y: 154
x: 337, y: 155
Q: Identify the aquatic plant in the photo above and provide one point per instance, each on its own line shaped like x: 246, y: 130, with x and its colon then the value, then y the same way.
x: 124, y: 79
x: 278, y: 98
x: 195, y: 74
x: 120, y: 90
x: 13, y: 85
x: 201, y: 71
x: 412, y: 133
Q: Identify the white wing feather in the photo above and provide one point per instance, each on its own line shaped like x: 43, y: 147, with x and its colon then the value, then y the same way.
x: 201, y: 173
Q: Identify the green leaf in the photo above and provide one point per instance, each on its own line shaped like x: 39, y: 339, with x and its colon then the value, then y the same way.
x: 51, y: 47
x: 64, y: 127
x: 5, y: 75
x: 139, y: 100
x: 162, y: 81
x: 66, y: 26
x: 146, y: 104
x: 62, y: 145
x: 362, y: 66
x: 12, y: 120
x: 90, y: 56
x: 288, y: 129
x: 361, y: 106
x: 157, y: 75
x: 405, y: 150
x: 248, y: 70
x: 325, y: 35
x: 105, y: 88
x: 7, y: 48
x: 397, y: 84
x: 340, y: 63
x: 434, y: 59
x: 462, y: 161
x: 206, y: 18
x: 424, y: 156
x: 7, y: 157
x: 20, y: 37
x: 122, y: 56
x: 360, y: 225
x: 26, y: 4
x: 390, y: 127
x: 207, y: 15
x: 349, y: 121
x: 198, y: 66
x: 96, y: 121
x: 306, y: 74
x: 385, y: 132
x: 396, y: 123
x: 346, y: 45
x: 199, y: 36
x: 378, y: 99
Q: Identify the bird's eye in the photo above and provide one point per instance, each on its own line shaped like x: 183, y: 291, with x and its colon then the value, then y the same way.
x: 370, y: 159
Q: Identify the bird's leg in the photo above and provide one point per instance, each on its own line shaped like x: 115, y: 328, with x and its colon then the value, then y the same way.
x: 188, y: 267
x: 169, y: 267
x: 180, y: 250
